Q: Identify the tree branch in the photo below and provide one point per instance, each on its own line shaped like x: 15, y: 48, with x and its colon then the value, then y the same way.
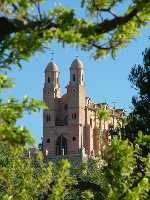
x: 101, y: 47
x: 9, y: 26
x: 109, y: 25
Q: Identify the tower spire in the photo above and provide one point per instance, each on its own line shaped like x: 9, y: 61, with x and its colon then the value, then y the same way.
x: 52, y: 79
x: 76, y: 72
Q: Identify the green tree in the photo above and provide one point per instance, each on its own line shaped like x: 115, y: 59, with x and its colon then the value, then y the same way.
x: 103, y: 115
x: 140, y: 79
x: 11, y: 111
x: 26, y: 28
x: 26, y: 178
x: 139, y: 118
x: 125, y: 176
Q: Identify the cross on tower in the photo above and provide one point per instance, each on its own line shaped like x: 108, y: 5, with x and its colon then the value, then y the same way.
x: 52, y: 56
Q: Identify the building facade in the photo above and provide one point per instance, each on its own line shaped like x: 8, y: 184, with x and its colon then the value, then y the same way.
x: 71, y: 127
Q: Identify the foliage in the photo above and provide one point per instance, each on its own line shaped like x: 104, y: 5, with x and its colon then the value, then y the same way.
x: 125, y: 176
x: 140, y: 79
x: 90, y: 176
x: 25, y: 178
x: 19, y: 177
x: 139, y: 119
x: 143, y: 141
x: 27, y: 27
x: 63, y: 182
x: 11, y: 111
x: 125, y: 180
x: 103, y: 114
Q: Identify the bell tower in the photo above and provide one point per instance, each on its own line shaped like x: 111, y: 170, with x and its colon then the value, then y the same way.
x: 51, y: 92
x: 76, y: 103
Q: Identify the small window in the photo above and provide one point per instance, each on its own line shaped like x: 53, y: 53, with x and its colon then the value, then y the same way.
x: 66, y: 107
x: 74, y: 115
x: 74, y: 138
x: 74, y: 77
x: 91, y: 122
x: 48, y: 79
x: 48, y: 118
x: 48, y: 140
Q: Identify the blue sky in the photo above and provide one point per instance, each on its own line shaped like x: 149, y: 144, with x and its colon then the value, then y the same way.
x: 106, y: 79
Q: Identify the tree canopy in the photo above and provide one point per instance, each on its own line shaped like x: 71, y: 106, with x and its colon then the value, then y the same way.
x: 26, y: 27
x: 140, y: 79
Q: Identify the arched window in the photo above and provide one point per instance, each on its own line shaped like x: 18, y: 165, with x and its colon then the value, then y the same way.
x: 61, y: 145
x: 74, y: 77
x: 82, y: 77
x: 48, y: 79
x: 91, y: 122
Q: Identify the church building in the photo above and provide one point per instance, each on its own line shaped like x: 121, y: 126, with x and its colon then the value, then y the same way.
x: 71, y: 127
